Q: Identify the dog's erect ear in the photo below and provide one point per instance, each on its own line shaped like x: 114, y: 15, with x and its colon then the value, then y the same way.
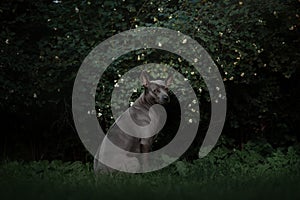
x: 145, y: 78
x: 169, y: 80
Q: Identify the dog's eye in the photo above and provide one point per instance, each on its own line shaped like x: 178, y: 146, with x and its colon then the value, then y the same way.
x: 155, y: 90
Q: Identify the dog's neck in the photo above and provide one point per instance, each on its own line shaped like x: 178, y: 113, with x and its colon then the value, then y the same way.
x: 144, y: 102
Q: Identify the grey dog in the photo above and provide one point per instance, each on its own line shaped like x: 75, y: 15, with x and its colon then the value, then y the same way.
x: 134, y: 139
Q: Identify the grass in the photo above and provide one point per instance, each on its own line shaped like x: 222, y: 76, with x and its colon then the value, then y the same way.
x: 221, y: 175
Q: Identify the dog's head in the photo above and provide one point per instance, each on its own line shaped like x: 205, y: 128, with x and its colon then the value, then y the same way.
x: 156, y: 91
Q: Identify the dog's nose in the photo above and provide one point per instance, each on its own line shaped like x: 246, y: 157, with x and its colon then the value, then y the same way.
x: 166, y: 98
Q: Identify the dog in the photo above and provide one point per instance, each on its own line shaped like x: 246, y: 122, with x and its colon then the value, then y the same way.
x: 141, y: 113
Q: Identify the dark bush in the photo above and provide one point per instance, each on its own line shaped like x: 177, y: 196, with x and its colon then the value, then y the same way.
x: 254, y: 43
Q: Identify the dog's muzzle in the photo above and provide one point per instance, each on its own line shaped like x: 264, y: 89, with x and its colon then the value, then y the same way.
x: 166, y: 98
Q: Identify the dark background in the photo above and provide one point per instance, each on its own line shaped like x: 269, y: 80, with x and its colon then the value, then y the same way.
x: 255, y: 45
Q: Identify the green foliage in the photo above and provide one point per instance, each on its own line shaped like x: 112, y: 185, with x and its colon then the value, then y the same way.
x: 255, y: 161
x: 222, y: 174
x: 254, y: 43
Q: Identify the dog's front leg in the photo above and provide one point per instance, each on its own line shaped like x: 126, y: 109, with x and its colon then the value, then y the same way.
x: 145, y: 148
